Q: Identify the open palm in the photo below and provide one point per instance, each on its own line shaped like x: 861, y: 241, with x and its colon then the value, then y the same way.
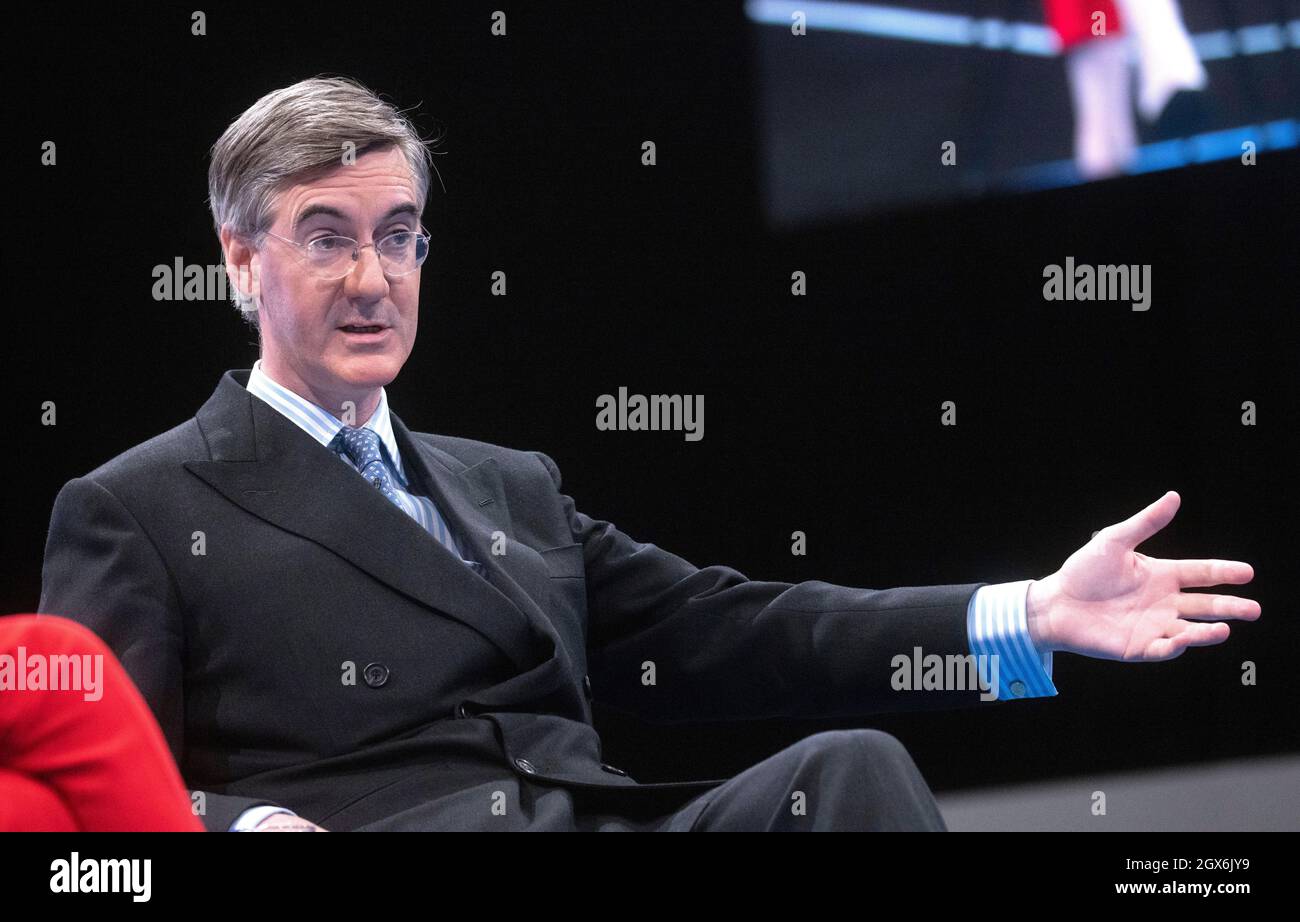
x: 1111, y: 602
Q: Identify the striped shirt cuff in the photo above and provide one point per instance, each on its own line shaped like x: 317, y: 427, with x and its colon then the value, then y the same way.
x: 998, y: 632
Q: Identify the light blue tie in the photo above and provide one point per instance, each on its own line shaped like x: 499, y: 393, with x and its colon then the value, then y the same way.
x: 363, y: 447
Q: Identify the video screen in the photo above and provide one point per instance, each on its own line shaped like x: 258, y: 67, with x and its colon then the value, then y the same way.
x: 873, y: 106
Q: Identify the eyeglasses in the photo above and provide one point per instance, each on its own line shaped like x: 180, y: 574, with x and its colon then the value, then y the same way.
x: 330, y: 258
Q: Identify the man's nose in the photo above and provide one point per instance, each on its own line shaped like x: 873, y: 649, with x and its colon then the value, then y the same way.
x: 366, y: 281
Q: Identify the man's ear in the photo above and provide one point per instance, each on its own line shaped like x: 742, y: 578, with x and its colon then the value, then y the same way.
x: 241, y: 263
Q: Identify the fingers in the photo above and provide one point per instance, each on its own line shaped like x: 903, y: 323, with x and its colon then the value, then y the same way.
x: 1205, y: 605
x: 1213, y: 572
x: 1133, y: 531
x: 1192, y: 634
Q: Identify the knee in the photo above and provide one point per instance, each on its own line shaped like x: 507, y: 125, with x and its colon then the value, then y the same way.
x: 855, y: 747
x: 28, y: 804
x: 870, y: 741
x: 863, y: 779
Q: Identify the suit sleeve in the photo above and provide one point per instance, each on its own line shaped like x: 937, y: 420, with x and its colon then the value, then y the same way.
x: 102, y: 570
x: 671, y: 642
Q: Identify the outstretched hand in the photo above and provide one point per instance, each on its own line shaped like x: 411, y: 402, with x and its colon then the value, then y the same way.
x: 1111, y: 602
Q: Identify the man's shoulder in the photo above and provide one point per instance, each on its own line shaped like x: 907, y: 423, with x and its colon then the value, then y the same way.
x: 162, y: 453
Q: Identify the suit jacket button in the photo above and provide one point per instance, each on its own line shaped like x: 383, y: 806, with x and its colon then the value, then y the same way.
x: 612, y: 769
x: 525, y: 766
x: 461, y: 710
x: 375, y: 674
x: 586, y: 686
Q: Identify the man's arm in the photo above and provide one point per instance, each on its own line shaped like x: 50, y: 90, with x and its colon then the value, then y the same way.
x: 102, y: 570
x: 670, y: 642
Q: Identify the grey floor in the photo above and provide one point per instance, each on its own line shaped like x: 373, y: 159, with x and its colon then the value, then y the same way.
x: 1255, y: 795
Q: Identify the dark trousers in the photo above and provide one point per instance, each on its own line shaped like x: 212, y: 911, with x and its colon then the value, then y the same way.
x: 842, y: 780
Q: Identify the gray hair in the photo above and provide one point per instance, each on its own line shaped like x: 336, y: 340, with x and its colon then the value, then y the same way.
x: 288, y: 136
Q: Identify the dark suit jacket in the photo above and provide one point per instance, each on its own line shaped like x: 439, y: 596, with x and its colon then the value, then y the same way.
x: 241, y: 637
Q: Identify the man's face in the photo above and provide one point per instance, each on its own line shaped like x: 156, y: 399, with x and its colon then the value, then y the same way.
x: 302, y: 318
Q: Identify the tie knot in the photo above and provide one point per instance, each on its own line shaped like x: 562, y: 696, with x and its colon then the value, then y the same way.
x: 359, y: 443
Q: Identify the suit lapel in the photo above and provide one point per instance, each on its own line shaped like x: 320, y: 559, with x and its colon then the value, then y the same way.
x: 266, y: 465
x: 473, y: 501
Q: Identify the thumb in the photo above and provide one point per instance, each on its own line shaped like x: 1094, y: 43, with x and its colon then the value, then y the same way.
x: 1133, y: 531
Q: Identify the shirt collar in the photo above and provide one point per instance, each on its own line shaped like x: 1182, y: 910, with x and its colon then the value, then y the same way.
x: 317, y: 422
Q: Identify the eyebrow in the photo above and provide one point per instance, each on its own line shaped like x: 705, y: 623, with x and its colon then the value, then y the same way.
x: 312, y: 211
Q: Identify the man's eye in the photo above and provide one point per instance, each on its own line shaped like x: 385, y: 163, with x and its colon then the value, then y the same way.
x: 400, y: 239
x: 326, y: 244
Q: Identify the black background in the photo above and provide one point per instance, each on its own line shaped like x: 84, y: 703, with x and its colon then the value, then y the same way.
x: 822, y: 413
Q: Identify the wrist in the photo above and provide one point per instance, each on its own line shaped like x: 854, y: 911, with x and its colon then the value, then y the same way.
x: 1040, y: 599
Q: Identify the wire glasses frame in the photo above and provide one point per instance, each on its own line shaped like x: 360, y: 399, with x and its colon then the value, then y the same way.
x: 331, y: 258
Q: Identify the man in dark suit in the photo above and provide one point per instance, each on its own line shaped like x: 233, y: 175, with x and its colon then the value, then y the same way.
x: 338, y: 621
